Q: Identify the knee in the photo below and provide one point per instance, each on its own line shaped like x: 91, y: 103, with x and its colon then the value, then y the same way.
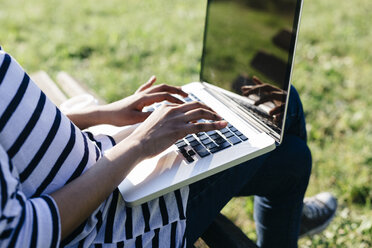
x: 301, y: 160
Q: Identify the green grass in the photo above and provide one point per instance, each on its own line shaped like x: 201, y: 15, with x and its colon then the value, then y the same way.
x: 332, y: 72
x: 114, y: 46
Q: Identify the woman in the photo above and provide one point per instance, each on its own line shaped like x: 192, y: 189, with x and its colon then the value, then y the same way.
x: 58, y: 184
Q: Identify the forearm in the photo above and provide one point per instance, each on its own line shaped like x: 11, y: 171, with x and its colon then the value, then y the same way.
x: 87, y: 117
x: 77, y: 200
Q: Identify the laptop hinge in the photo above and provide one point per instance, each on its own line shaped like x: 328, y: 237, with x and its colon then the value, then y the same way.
x: 246, y: 115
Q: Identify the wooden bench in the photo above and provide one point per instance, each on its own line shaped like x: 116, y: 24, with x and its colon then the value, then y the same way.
x: 65, y: 88
x: 222, y: 233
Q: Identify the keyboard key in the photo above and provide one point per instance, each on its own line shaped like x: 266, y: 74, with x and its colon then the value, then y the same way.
x: 220, y: 140
x: 190, y: 137
x: 186, y: 155
x: 215, y: 136
x: 224, y: 145
x: 211, y: 133
x: 181, y: 144
x: 232, y: 128
x: 210, y: 146
x: 187, y: 99
x: 189, y: 159
x: 194, y: 143
x: 203, y: 137
x: 194, y: 96
x: 238, y: 133
x: 214, y: 150
x: 228, y: 134
x: 183, y: 151
x: 201, y: 151
x: 242, y: 137
x: 207, y: 141
x: 191, y: 152
x: 224, y: 130
x: 234, y: 140
x: 220, y: 147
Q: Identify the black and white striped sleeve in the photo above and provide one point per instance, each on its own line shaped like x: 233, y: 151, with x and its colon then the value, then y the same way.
x: 25, y: 222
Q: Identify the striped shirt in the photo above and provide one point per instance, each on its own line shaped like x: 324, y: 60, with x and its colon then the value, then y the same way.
x: 41, y: 150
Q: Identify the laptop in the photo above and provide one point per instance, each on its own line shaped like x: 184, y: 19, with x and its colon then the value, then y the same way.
x: 246, y: 67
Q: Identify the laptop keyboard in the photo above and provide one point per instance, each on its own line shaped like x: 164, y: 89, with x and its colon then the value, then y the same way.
x: 206, y: 143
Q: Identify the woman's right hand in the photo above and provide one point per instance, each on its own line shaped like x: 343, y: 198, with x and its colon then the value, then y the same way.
x: 170, y: 123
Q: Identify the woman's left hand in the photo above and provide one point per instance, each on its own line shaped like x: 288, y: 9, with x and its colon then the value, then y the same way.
x: 128, y: 111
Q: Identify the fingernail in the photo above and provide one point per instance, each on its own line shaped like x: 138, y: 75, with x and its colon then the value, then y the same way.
x: 222, y: 124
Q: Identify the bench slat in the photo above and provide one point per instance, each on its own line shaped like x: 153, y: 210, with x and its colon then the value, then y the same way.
x: 47, y: 85
x: 72, y: 87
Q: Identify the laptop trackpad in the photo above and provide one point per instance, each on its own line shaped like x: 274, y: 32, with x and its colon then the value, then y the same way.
x: 152, y: 168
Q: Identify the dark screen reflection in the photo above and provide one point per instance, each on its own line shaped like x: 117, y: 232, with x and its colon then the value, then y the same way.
x: 248, y: 49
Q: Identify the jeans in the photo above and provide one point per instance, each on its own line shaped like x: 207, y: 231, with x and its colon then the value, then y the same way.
x: 278, y: 180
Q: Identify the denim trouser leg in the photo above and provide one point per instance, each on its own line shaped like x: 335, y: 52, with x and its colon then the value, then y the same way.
x: 278, y: 180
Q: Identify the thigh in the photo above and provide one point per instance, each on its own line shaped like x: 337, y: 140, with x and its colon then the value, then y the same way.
x: 288, y: 166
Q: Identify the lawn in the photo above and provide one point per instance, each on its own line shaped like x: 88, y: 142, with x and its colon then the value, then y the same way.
x: 114, y: 46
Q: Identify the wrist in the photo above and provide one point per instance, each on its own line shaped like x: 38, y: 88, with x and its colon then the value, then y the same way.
x: 86, y: 117
x: 128, y: 152
x: 112, y: 114
x: 140, y: 144
x: 101, y: 114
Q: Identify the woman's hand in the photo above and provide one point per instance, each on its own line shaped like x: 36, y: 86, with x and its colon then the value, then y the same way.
x: 170, y: 123
x: 128, y: 111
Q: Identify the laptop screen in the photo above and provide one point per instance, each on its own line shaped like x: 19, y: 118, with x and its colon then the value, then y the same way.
x: 248, y: 49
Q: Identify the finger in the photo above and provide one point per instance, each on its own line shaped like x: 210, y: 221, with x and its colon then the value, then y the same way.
x: 205, y: 127
x: 246, y: 87
x: 263, y: 99
x: 277, y: 110
x: 197, y: 114
x: 245, y: 90
x: 167, y: 88
x: 245, y: 93
x: 278, y: 118
x: 259, y: 89
x: 256, y: 80
x: 158, y: 97
x: 147, y: 85
x: 273, y: 96
x: 251, y: 89
x: 279, y: 96
x: 192, y: 105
